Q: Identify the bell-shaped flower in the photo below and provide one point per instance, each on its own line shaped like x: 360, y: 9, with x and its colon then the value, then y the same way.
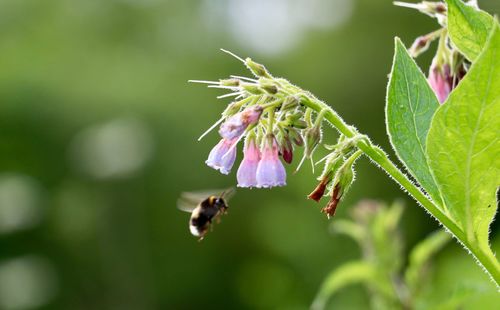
x: 270, y: 171
x: 223, y: 155
x: 247, y: 172
x: 236, y: 125
x: 320, y: 189
x: 440, y: 80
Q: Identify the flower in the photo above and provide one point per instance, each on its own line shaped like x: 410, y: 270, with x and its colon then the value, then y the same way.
x: 223, y: 155
x: 270, y: 171
x: 331, y: 206
x: 319, y: 191
x: 440, y: 80
x: 247, y: 172
x: 236, y: 125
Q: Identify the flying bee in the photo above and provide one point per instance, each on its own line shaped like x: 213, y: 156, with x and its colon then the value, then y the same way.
x: 205, y: 207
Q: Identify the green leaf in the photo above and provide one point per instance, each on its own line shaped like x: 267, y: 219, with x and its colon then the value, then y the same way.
x: 420, y: 256
x: 351, y: 229
x: 463, y: 146
x: 468, y: 28
x: 351, y: 273
x: 411, y: 104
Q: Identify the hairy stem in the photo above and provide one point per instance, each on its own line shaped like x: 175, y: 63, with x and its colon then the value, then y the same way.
x: 377, y: 155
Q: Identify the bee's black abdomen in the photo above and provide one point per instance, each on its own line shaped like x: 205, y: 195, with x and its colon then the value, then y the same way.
x: 200, y: 221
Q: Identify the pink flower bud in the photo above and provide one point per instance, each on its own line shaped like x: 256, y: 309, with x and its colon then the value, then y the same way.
x: 222, y: 156
x: 270, y: 171
x: 256, y: 68
x: 440, y: 80
x: 296, y: 137
x: 236, y: 125
x: 287, y: 150
x: 247, y: 172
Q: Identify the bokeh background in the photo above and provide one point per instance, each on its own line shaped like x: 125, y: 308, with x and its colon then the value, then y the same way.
x: 98, y: 130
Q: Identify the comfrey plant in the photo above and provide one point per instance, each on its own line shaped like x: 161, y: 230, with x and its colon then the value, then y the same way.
x: 444, y: 128
x: 382, y: 270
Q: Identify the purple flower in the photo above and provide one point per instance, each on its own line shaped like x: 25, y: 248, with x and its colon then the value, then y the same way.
x: 270, y: 171
x: 440, y: 80
x: 236, y: 125
x: 247, y: 172
x: 223, y: 155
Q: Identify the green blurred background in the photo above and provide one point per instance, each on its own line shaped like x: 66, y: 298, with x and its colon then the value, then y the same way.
x: 98, y: 130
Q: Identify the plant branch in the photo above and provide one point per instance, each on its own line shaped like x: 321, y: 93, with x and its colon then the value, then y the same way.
x: 377, y: 155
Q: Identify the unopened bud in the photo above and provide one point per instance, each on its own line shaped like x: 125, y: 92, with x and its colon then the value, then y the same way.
x: 296, y: 137
x: 313, y: 135
x: 252, y: 88
x: 343, y: 180
x: 332, y: 165
x: 420, y: 45
x: 290, y: 103
x: 312, y: 139
x: 230, y: 82
x: 232, y: 109
x: 285, y: 146
x: 294, y: 120
x: 287, y: 150
x: 426, y: 7
x: 269, y: 88
x: 256, y: 68
x: 433, y: 9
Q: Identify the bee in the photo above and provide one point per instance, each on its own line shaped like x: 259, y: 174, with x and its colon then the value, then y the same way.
x: 205, y: 207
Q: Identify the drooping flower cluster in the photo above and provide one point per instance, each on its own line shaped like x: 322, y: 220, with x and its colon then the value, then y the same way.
x: 266, y: 122
x: 273, y: 118
x: 448, y: 65
x: 265, y: 141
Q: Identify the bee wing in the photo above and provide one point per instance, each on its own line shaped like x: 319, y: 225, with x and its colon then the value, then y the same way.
x: 187, y: 203
x: 228, y: 193
x: 190, y: 200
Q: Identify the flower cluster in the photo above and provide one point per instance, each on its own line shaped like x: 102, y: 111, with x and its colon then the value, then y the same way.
x: 269, y: 123
x: 338, y: 173
x: 448, y: 65
x: 273, y: 118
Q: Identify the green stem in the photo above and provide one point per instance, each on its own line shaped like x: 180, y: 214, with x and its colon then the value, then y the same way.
x: 377, y: 155
x: 270, y: 125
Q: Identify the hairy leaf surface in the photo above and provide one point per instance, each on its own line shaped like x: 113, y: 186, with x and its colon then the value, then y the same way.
x: 468, y: 27
x: 463, y: 145
x: 411, y: 104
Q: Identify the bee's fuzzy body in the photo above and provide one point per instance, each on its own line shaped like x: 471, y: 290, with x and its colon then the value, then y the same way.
x: 204, y: 213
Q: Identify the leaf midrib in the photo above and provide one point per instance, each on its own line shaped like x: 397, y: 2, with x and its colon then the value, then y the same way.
x: 422, y: 150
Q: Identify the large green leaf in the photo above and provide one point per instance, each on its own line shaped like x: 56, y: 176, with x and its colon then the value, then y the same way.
x: 468, y: 27
x: 411, y: 104
x: 463, y: 145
